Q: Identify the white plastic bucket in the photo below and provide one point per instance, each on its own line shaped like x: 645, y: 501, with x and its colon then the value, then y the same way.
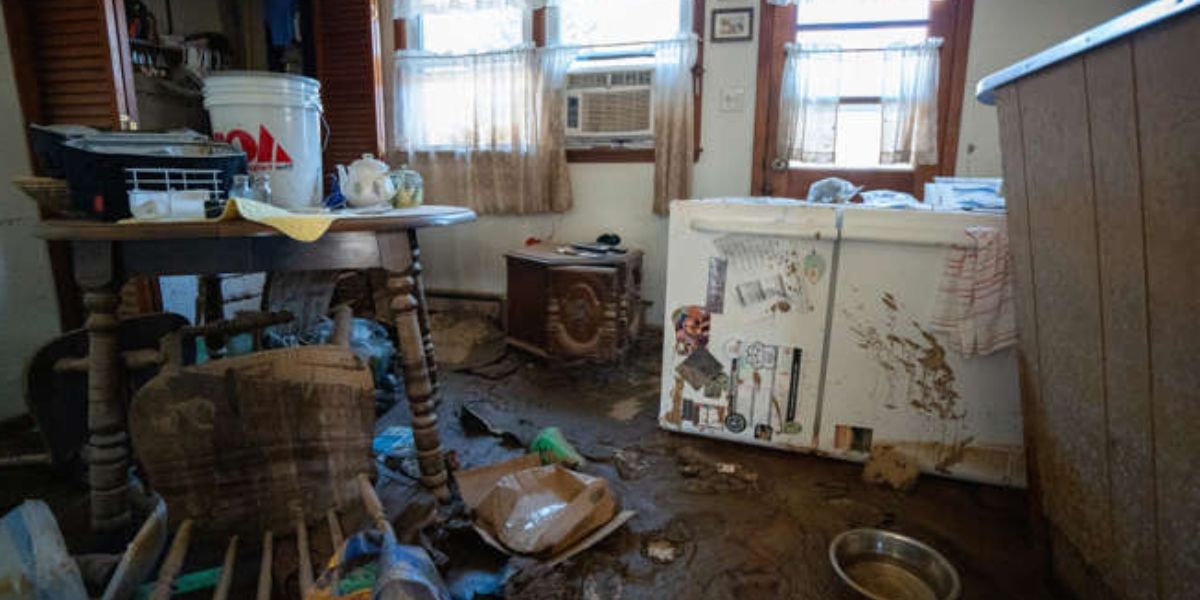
x: 276, y: 119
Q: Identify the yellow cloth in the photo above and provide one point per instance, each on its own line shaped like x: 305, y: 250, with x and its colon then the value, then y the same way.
x: 304, y: 227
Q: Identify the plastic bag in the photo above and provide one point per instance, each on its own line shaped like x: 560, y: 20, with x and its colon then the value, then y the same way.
x: 832, y: 190
x: 34, y: 563
x: 368, y: 339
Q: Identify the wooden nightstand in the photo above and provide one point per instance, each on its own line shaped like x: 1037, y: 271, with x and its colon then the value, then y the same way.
x: 574, y: 307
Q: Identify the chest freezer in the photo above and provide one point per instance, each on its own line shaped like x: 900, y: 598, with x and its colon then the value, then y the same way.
x: 748, y: 290
x: 808, y: 328
x: 892, y: 377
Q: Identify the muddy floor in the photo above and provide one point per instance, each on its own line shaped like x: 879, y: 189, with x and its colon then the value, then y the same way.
x: 758, y: 529
x: 714, y: 520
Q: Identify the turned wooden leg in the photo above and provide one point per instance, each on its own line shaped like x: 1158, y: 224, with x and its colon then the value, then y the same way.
x: 418, y: 387
x: 107, y: 451
x: 422, y: 309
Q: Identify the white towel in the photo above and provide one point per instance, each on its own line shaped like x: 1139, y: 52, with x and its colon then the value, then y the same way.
x: 974, y: 307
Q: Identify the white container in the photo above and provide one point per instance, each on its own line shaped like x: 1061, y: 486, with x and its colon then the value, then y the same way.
x: 781, y: 318
x: 886, y: 361
x: 748, y: 284
x: 276, y: 119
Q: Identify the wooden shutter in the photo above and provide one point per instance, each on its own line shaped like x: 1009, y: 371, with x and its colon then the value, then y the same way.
x: 71, y: 59
x: 348, y: 64
x: 71, y: 62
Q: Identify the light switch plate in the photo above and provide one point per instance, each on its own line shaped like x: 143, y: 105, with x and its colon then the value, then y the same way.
x: 733, y: 99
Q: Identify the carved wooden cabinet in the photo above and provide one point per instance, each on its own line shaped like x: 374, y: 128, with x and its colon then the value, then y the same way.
x: 573, y: 307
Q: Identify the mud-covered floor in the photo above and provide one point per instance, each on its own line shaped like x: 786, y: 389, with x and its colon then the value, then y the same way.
x: 760, y: 532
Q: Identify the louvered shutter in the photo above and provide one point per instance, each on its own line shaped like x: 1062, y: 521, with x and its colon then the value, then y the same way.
x: 348, y: 65
x: 71, y: 59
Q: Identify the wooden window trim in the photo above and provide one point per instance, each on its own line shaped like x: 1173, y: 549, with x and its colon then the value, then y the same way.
x: 948, y: 19
x: 611, y: 155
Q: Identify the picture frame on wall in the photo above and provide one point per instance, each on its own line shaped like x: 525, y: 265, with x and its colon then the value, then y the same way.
x: 732, y: 25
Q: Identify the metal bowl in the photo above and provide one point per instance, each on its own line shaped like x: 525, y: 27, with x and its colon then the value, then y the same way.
x: 882, y: 565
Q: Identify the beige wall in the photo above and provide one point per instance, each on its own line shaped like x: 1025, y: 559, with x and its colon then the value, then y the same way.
x: 27, y: 304
x: 1004, y: 32
x: 618, y: 197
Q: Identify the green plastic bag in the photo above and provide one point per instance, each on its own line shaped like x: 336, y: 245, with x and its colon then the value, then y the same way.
x: 553, y: 447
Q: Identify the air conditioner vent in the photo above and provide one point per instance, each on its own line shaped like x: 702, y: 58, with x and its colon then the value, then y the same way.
x: 629, y: 78
x: 616, y: 112
x: 587, y: 80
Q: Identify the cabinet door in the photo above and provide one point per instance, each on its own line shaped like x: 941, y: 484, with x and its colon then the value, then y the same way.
x: 71, y: 59
x: 582, y: 312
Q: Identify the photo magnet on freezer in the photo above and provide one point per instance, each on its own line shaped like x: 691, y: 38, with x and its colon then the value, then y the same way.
x: 715, y: 294
x: 699, y: 369
x: 691, y: 329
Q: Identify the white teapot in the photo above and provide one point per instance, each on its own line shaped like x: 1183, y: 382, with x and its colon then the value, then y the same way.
x: 366, y: 182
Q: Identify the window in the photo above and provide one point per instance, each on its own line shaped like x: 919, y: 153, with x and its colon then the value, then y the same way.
x: 584, y: 22
x: 898, y: 67
x: 479, y: 30
x: 861, y: 29
x: 445, y: 91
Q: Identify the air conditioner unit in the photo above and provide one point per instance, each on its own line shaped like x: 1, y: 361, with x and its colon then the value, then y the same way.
x: 610, y: 101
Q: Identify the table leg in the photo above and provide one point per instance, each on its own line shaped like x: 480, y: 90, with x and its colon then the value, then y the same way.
x: 422, y: 309
x: 107, y: 451
x: 417, y: 387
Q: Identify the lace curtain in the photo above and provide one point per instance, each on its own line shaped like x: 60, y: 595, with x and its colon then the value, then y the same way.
x: 674, y: 121
x: 485, y: 129
x: 808, y: 104
x: 909, y: 104
x: 810, y: 95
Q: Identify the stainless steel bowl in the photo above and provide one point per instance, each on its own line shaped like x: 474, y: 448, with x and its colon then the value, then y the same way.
x: 882, y: 565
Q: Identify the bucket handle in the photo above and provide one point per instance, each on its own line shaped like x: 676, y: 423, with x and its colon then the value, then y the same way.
x: 324, y: 132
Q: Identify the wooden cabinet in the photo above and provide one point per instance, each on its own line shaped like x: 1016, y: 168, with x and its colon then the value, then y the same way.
x: 574, y: 307
x: 1101, y: 170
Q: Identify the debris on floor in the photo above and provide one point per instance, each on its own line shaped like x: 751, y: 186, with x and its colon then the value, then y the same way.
x: 34, y: 562
x: 396, y: 453
x: 630, y: 464
x: 553, y: 447
x: 480, y: 417
x: 548, y: 512
x: 466, y: 340
x: 707, y: 475
x: 661, y: 551
x: 503, y: 367
x: 891, y: 467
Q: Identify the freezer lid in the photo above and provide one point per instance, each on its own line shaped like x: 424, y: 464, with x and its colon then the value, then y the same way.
x: 1123, y: 25
x: 771, y: 217
x: 925, y: 228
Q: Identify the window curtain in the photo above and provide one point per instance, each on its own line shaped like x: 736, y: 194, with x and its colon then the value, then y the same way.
x: 485, y: 129
x: 808, y: 104
x: 674, y: 121
x: 909, y: 104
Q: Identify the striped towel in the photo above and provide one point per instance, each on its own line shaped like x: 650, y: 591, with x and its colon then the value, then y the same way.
x: 974, y: 307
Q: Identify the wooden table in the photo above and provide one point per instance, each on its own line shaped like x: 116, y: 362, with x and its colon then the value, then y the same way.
x: 105, y: 254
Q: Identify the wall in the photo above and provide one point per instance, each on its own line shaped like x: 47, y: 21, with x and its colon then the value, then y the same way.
x: 1004, y: 32
x: 27, y: 303
x: 616, y: 197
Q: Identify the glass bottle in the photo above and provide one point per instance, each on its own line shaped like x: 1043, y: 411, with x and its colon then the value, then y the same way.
x: 241, y: 187
x: 262, y: 187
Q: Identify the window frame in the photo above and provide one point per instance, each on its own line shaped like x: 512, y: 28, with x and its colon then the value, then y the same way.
x: 948, y: 19
x: 540, y: 29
